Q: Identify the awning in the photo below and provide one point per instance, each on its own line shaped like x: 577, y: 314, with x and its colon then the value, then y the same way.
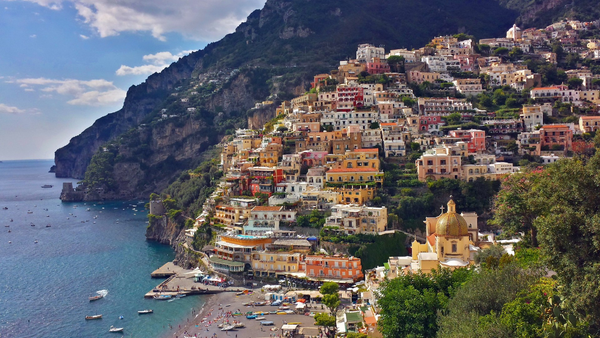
x: 289, y: 327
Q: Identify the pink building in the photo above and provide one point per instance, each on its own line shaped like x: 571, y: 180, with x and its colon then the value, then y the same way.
x: 349, y: 97
x: 426, y: 122
x: 474, y: 138
x: 313, y: 158
x: 377, y: 66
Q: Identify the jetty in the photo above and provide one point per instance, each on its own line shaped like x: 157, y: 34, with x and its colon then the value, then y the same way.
x: 167, y: 270
x: 182, y: 281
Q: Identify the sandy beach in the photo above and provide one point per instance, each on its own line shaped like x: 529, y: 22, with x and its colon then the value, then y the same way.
x: 218, y: 309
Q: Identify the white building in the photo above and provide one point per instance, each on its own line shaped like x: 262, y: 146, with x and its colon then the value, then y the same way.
x: 266, y: 219
x: 354, y: 219
x: 366, y: 52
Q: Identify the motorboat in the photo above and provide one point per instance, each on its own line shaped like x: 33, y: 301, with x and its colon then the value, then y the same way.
x: 143, y: 312
x: 96, y: 297
x: 99, y: 294
x: 115, y: 329
x: 93, y: 317
x: 162, y: 297
x: 181, y: 295
x: 45, y: 186
x: 228, y: 328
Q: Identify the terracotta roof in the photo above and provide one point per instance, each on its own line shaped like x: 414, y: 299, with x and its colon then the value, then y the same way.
x: 589, y: 117
x: 371, y: 150
x: 265, y: 208
x: 554, y: 126
x: 389, y: 124
x: 350, y: 170
x: 544, y: 88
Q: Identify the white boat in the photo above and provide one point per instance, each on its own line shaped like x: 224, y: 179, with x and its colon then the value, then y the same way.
x: 143, y: 312
x: 115, y: 329
x: 239, y: 325
x: 181, y: 295
x: 228, y: 328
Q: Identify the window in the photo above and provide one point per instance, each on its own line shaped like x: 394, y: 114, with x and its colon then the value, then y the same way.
x: 454, y: 247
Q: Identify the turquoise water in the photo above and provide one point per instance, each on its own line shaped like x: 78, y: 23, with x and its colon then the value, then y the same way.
x: 44, y: 286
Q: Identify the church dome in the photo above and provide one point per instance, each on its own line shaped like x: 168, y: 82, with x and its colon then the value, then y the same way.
x: 451, y: 223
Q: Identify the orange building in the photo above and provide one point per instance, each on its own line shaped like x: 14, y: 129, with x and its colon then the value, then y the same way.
x: 555, y: 137
x: 336, y: 268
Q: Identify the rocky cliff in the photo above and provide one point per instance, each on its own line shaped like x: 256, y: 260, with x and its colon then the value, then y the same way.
x: 164, y: 231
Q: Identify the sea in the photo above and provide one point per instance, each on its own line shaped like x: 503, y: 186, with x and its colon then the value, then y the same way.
x: 54, y: 256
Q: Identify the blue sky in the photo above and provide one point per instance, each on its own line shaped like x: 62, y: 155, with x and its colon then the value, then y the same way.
x: 65, y: 63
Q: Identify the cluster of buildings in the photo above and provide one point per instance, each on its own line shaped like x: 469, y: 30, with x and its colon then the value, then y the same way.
x: 323, y: 152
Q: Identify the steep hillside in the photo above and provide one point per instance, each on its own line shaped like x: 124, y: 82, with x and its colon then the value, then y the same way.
x: 276, y: 51
x: 540, y: 13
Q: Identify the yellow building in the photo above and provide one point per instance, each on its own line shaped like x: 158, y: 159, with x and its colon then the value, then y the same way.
x: 354, y: 175
x: 273, y: 263
x: 354, y: 194
x: 451, y: 239
x: 269, y: 155
x: 357, y: 158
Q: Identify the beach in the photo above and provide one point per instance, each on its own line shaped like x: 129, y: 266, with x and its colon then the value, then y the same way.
x: 203, y: 322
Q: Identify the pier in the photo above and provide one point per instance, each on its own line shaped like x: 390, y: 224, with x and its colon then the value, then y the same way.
x: 167, y: 270
x: 181, y: 281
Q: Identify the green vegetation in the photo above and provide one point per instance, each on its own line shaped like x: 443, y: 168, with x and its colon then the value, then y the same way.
x: 410, y: 303
x: 558, y: 208
x: 192, y: 187
x: 314, y: 219
x: 99, y: 172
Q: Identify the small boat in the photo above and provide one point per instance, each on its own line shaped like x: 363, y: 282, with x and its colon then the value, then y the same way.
x: 48, y: 225
x: 239, y: 325
x: 7, y: 226
x: 261, y: 318
x: 228, y: 328
x: 115, y: 329
x: 32, y: 224
x: 5, y: 208
x: 30, y: 212
x: 93, y: 317
x: 36, y: 242
x: 181, y: 295
x: 143, y: 312
x: 45, y: 186
x: 93, y: 298
x: 162, y: 297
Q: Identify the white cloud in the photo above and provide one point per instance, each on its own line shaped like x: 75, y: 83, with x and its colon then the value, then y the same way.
x: 203, y: 20
x: 4, y: 109
x: 97, y: 92
x: 33, y: 36
x: 84, y: 36
x: 156, y: 63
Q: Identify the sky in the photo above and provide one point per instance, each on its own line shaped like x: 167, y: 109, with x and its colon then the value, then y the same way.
x: 66, y: 63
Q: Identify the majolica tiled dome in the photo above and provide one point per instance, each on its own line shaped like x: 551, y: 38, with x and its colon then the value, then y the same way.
x: 451, y: 223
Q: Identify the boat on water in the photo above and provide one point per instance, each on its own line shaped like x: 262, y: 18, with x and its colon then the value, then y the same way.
x: 115, y: 329
x: 5, y: 208
x: 181, y: 295
x: 45, y: 186
x: 143, y: 312
x: 228, y: 328
x: 48, y: 225
x: 93, y: 317
x: 99, y: 294
x: 93, y: 298
x: 162, y: 297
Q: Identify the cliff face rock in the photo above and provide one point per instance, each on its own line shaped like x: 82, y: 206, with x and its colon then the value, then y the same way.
x: 166, y: 232
x: 72, y: 160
